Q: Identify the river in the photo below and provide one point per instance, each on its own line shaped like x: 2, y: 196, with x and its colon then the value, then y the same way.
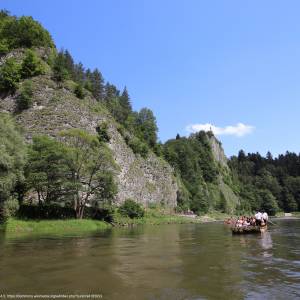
x: 192, y: 261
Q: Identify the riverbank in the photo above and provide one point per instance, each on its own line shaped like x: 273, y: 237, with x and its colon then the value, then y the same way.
x: 294, y: 214
x: 18, y: 227
x: 160, y: 217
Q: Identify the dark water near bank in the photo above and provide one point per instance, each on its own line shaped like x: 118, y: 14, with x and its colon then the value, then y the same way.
x: 191, y: 261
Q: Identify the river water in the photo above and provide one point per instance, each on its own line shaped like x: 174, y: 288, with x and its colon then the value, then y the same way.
x: 193, y: 261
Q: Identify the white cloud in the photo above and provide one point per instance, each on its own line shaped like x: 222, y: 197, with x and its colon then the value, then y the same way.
x: 238, y: 130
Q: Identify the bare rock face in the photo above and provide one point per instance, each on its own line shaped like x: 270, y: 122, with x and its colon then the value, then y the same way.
x: 149, y: 180
x: 56, y: 108
x: 218, y: 151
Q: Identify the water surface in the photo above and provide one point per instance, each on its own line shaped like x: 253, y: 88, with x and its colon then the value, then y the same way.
x: 193, y: 261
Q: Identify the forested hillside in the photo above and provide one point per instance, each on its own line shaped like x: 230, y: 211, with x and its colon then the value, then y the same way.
x: 268, y: 183
x: 71, y: 140
x: 82, y: 144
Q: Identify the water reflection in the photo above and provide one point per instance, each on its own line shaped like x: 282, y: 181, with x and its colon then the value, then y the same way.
x: 158, y: 262
x: 266, y: 240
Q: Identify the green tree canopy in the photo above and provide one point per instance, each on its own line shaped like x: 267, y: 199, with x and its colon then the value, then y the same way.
x: 32, y: 65
x: 12, y: 157
x: 9, y: 75
x: 23, y: 32
x: 76, y: 170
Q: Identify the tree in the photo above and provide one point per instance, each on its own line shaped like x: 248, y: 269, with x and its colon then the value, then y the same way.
x: 47, y: 171
x: 74, y: 171
x: 60, y: 72
x: 91, y: 168
x: 25, y: 32
x: 111, y: 92
x: 268, y: 201
x: 12, y: 158
x: 200, y: 202
x: 69, y: 63
x: 125, y: 104
x: 146, y: 123
x: 97, y: 84
x: 79, y: 73
x: 31, y: 65
x: 79, y: 91
x: 9, y: 76
x: 24, y: 100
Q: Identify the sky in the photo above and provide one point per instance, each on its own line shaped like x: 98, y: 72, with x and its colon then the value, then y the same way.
x: 229, y: 66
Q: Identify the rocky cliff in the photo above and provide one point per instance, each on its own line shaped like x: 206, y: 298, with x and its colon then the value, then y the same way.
x: 55, y: 108
x: 224, y: 191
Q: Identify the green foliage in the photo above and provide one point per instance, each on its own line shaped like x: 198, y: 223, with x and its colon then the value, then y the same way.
x: 95, y: 84
x: 24, y: 100
x: 266, y: 182
x: 125, y: 105
x: 222, y: 205
x: 183, y: 197
x: 146, y: 126
x: 79, y: 91
x: 200, y: 202
x: 60, y: 72
x: 23, y: 32
x: 192, y: 160
x: 74, y: 171
x: 12, y: 158
x: 138, y: 146
x: 9, y: 76
x: 10, y: 207
x: 268, y: 201
x: 102, y: 131
x: 3, y: 47
x: 91, y: 165
x: 47, y: 170
x: 131, y: 209
x: 32, y: 65
x: 15, y: 227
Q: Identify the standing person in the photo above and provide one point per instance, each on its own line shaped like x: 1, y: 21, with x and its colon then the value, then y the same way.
x: 258, y: 217
x: 265, y: 217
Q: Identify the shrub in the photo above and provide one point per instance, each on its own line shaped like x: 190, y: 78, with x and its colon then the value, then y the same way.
x: 9, y: 76
x: 52, y: 211
x: 102, y: 132
x: 10, y: 207
x: 138, y: 147
x: 32, y: 65
x: 79, y: 92
x: 24, y: 100
x: 131, y: 209
x: 3, y: 47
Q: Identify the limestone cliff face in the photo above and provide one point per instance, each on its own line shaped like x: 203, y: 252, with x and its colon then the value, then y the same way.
x: 218, y: 151
x: 224, y: 190
x: 56, y: 108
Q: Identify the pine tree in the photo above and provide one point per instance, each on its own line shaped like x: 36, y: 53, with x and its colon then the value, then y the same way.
x: 97, y: 84
x: 125, y: 104
x: 79, y: 74
x: 111, y: 92
x: 69, y: 63
x: 60, y: 72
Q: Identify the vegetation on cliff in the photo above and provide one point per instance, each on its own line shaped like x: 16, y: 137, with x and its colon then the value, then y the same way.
x: 72, y: 168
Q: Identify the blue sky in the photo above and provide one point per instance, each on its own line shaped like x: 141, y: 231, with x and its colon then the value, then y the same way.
x: 192, y: 62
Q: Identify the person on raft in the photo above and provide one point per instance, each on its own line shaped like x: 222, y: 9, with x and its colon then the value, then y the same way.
x: 265, y: 217
x: 258, y: 218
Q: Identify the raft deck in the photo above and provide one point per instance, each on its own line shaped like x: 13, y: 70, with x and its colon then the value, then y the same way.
x: 248, y: 229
